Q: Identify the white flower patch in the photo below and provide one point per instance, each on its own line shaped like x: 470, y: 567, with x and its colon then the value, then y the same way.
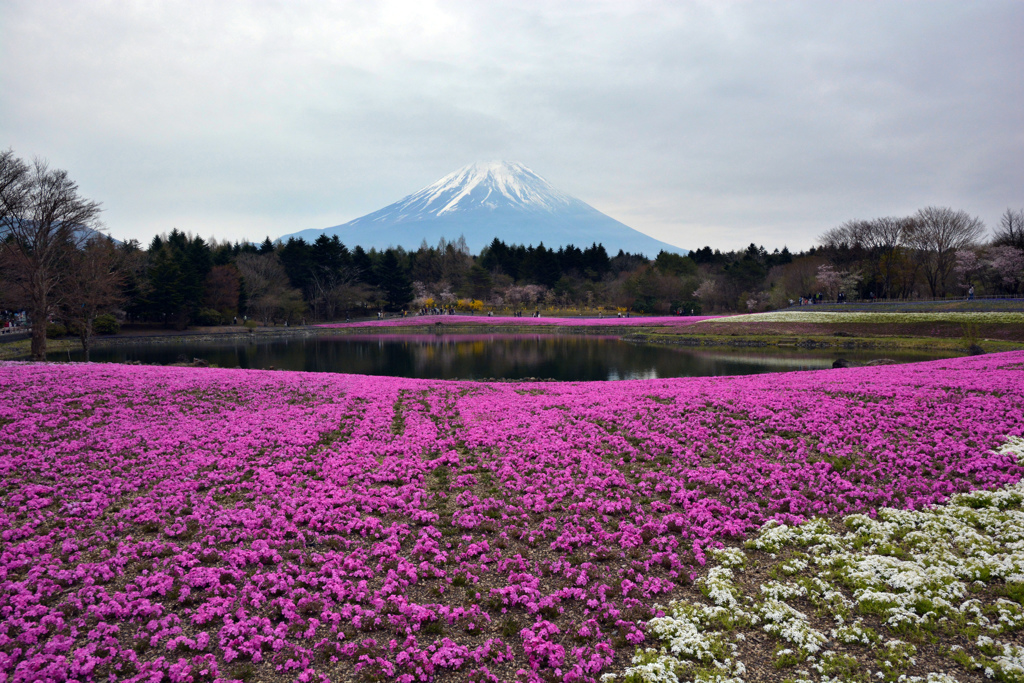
x: 826, y: 597
x: 717, y: 678
x: 774, y: 535
x: 687, y: 630
x: 791, y: 625
x: 906, y: 576
x: 894, y: 658
x: 686, y: 640
x: 1010, y: 616
x: 973, y: 610
x: 686, y: 637
x: 793, y: 565
x: 649, y: 666
x: 855, y: 634
x: 1014, y: 446
x: 719, y: 587
x: 872, y: 317
x: 1007, y: 659
x: 729, y: 557
x: 913, y: 568
x: 782, y: 591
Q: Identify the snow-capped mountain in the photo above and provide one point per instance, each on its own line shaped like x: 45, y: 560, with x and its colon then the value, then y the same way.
x: 485, y: 200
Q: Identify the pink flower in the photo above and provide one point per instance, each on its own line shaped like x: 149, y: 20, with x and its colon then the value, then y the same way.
x: 282, y: 518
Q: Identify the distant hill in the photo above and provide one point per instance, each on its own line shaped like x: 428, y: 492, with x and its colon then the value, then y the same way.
x: 487, y: 200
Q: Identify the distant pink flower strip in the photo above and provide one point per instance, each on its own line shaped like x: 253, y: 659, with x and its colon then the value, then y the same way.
x: 645, y: 321
x: 176, y: 522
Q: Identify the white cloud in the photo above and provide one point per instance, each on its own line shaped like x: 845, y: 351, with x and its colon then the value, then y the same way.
x: 699, y: 123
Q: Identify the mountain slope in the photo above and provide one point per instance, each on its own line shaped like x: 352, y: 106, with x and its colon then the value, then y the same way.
x: 486, y: 200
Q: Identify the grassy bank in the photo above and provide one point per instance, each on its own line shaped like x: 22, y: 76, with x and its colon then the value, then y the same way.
x: 823, y: 340
x: 934, y: 330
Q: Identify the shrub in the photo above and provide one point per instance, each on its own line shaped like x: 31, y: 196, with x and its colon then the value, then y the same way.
x: 106, y: 324
x: 55, y: 330
x: 251, y: 324
x: 208, y: 316
x: 644, y: 304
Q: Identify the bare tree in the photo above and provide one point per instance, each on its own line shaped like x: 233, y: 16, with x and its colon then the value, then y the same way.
x: 882, y: 243
x: 222, y: 287
x: 796, y: 279
x: 93, y: 287
x: 1010, y: 232
x: 843, y: 235
x: 261, y: 274
x: 43, y: 221
x: 349, y: 295
x: 266, y: 284
x: 333, y: 289
x: 891, y: 237
x: 941, y: 232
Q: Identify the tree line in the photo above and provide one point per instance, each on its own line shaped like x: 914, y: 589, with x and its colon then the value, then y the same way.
x: 59, y: 268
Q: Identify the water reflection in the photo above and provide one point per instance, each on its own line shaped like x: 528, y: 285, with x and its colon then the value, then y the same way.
x: 519, y: 356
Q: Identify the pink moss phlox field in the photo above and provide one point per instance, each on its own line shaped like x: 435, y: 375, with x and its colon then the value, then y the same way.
x: 483, y: 320
x: 186, y: 523
x: 464, y: 338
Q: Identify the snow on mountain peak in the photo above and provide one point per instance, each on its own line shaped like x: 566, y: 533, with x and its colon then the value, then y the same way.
x: 485, y: 200
x: 487, y: 184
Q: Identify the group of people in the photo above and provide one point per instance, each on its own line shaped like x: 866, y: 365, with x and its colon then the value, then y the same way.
x: 436, y: 310
x: 820, y: 298
x: 12, y: 321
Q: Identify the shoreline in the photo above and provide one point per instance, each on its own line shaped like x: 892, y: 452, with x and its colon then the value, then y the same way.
x: 721, y: 332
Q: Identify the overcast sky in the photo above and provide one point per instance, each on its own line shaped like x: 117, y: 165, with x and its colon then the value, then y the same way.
x: 696, y: 123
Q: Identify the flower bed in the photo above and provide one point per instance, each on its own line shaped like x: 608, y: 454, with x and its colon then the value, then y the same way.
x: 482, y: 320
x: 203, y: 523
x: 871, y: 599
x: 808, y: 315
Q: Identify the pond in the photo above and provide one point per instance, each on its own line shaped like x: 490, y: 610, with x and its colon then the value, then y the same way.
x: 481, y: 357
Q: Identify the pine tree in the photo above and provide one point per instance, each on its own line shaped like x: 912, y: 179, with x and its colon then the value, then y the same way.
x: 394, y: 281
